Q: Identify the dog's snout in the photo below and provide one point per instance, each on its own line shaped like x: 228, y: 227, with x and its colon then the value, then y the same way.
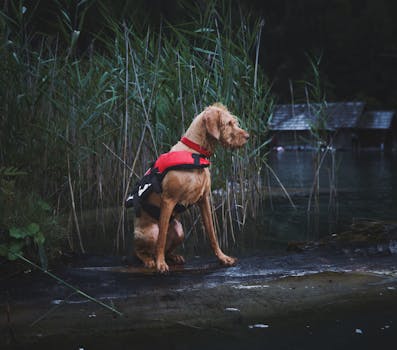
x: 246, y: 135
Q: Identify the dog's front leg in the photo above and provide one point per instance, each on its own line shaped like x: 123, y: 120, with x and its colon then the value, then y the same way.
x: 205, y: 208
x: 166, y: 209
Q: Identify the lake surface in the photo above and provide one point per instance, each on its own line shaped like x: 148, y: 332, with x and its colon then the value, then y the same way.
x: 365, y: 188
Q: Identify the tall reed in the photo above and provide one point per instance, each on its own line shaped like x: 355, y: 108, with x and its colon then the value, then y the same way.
x: 85, y: 126
x: 323, y: 146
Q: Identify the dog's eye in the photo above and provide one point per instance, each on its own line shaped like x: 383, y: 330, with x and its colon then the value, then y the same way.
x: 230, y: 123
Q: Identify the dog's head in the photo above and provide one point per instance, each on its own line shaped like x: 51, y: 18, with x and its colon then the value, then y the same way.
x: 223, y: 126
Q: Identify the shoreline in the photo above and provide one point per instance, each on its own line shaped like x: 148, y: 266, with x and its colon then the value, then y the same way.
x: 166, y: 305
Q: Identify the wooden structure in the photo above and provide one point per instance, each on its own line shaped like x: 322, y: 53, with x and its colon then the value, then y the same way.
x: 377, y: 130
x: 301, y: 126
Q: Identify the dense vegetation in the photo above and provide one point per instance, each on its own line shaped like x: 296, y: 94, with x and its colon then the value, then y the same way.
x: 78, y: 126
x: 356, y: 38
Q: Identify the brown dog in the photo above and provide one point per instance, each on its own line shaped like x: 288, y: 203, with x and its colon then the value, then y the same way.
x: 155, y: 240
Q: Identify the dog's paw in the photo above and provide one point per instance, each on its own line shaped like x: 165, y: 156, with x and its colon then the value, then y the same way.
x: 162, y: 267
x: 227, y: 260
x: 175, y: 259
x: 150, y: 264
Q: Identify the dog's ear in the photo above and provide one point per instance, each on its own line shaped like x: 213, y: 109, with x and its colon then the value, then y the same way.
x: 212, y: 122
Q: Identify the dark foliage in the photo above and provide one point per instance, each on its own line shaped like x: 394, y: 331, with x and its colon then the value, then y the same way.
x: 356, y: 38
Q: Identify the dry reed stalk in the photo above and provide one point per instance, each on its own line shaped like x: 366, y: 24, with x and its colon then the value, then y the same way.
x: 315, y: 189
x: 229, y: 210
x: 73, y: 203
x: 262, y: 23
x: 121, y: 226
x: 196, y: 109
x: 180, y: 92
x: 69, y: 230
x: 281, y: 185
x: 143, y: 105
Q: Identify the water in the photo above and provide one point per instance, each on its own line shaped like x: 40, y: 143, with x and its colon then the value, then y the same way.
x: 366, y: 187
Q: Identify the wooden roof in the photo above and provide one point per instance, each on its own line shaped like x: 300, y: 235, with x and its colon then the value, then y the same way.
x: 328, y: 116
x: 376, y: 120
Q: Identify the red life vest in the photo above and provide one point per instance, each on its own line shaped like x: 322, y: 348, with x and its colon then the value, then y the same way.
x: 178, y: 160
x: 151, y: 181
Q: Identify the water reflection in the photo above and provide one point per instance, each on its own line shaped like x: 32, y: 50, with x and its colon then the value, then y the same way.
x: 365, y: 183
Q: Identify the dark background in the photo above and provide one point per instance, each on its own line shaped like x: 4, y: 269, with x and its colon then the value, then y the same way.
x: 356, y: 39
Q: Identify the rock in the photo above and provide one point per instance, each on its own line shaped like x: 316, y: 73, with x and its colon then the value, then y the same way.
x: 365, y: 238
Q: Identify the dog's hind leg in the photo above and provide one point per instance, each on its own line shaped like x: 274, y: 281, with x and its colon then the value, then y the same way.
x: 145, y: 243
x: 175, y: 238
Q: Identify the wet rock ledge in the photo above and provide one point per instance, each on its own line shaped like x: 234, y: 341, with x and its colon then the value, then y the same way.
x: 202, y: 295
